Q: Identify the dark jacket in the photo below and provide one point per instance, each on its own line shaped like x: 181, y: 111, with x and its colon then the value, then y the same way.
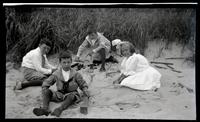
x: 75, y: 80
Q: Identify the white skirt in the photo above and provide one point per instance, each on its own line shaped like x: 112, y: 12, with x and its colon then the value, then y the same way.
x: 144, y: 80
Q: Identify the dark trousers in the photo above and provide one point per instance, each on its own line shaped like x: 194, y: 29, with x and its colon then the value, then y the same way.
x: 33, y: 83
x: 49, y: 95
x: 33, y: 78
x: 102, y: 53
x: 103, y: 58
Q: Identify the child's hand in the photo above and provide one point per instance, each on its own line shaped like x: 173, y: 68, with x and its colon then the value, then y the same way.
x: 117, y: 86
x: 86, y: 92
x: 91, y: 99
x: 116, y: 81
x: 53, y: 70
x: 93, y: 51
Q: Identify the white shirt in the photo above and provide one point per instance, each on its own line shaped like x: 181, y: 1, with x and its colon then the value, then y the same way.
x: 33, y: 60
x: 65, y: 75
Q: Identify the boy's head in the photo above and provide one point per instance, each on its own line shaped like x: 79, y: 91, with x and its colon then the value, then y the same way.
x: 92, y: 33
x: 65, y: 59
x: 45, y: 45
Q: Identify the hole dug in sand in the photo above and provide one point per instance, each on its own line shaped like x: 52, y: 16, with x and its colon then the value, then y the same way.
x: 125, y: 106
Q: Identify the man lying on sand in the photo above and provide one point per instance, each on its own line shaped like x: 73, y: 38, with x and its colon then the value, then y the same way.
x: 35, y: 66
x: 136, y: 73
x: 99, y: 47
x: 67, y: 81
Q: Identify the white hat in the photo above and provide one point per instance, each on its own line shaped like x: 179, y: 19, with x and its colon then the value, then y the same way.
x: 116, y: 42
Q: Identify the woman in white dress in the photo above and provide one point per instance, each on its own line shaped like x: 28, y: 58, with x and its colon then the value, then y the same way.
x: 136, y: 73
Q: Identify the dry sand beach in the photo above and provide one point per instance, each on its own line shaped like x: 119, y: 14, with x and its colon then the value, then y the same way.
x: 176, y: 99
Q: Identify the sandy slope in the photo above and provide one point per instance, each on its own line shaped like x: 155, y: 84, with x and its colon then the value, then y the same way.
x: 171, y: 101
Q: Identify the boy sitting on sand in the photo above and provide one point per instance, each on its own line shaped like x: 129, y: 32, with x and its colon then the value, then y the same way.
x: 67, y: 81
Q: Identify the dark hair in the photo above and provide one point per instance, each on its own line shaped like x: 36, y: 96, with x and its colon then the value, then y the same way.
x: 65, y: 54
x: 91, y: 30
x: 131, y: 48
x: 46, y: 41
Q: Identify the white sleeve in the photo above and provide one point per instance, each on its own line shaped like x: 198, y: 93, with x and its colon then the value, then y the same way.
x: 37, y: 61
x: 129, y: 73
x: 82, y: 47
x: 47, y: 64
x: 131, y: 66
x: 122, y: 66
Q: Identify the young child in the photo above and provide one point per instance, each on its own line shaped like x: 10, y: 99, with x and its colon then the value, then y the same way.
x: 98, y: 46
x: 67, y: 81
x: 136, y: 73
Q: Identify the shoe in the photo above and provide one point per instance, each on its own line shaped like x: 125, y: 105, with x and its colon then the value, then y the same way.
x: 18, y: 85
x: 102, y: 69
x: 57, y: 112
x: 40, y: 111
x: 114, y: 60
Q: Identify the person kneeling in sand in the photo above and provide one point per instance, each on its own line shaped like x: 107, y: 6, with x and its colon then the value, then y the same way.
x: 99, y: 48
x: 35, y: 66
x: 67, y: 81
x: 136, y: 73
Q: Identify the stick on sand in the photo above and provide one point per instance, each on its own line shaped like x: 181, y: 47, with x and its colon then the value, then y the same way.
x: 153, y: 62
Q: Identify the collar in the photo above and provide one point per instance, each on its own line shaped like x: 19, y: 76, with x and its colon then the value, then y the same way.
x: 65, y: 71
x: 98, y: 36
x: 39, y: 50
x: 71, y: 74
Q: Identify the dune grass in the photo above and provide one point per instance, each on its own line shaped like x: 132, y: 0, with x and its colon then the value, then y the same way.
x: 66, y: 27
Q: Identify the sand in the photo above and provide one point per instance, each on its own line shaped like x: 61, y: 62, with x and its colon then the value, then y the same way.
x: 171, y: 101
